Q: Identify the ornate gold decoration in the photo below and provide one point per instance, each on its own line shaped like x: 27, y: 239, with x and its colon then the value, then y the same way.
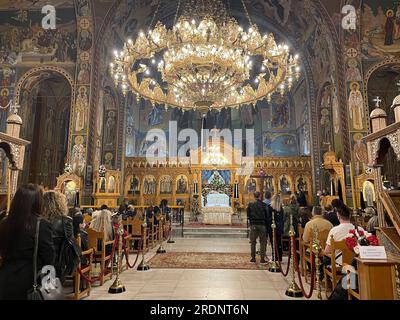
x: 205, y: 61
x: 117, y: 286
x: 293, y: 290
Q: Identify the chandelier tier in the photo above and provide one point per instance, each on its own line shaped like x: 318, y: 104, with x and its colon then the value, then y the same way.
x: 206, y: 61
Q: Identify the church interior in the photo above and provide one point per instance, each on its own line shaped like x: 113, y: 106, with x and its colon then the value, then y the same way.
x: 166, y: 127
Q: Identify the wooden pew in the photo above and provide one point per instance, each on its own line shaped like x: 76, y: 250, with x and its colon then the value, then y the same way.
x: 86, y: 270
x: 134, y: 228
x: 333, y: 273
x: 353, y: 293
x: 97, y: 242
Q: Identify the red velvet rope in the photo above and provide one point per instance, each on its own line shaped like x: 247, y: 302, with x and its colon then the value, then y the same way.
x: 130, y: 266
x: 284, y: 273
x: 115, y: 244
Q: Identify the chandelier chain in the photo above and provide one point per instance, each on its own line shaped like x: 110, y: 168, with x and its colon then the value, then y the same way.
x: 155, y: 15
x: 247, y: 13
x: 229, y: 8
x: 177, y: 11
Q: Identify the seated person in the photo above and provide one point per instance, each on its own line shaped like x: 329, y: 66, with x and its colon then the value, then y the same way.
x: 317, y: 221
x: 305, y: 216
x: 156, y: 212
x: 373, y: 222
x: 130, y: 211
x: 79, y: 229
x: 149, y: 214
x: 102, y: 223
x: 88, y: 216
x: 331, y: 215
x: 122, y: 210
x: 321, y: 224
x: 339, y: 232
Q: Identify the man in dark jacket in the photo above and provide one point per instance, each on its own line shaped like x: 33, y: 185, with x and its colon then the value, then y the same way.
x: 257, y: 213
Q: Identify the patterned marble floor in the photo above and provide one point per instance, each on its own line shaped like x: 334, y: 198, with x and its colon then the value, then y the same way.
x: 185, y: 284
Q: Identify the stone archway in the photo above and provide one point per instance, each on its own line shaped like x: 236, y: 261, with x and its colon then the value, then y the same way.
x: 45, y: 95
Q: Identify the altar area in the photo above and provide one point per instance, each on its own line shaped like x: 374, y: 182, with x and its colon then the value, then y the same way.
x: 217, y: 210
x: 214, y: 184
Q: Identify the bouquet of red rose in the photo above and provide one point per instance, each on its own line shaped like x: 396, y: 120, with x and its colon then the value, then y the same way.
x: 357, y: 238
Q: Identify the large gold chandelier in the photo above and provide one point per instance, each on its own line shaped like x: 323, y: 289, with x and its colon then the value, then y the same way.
x: 206, y: 61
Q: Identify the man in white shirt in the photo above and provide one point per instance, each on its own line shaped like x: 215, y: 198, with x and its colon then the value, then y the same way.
x: 341, y: 231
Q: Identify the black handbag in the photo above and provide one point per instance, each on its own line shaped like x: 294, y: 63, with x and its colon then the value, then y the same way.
x: 50, y: 287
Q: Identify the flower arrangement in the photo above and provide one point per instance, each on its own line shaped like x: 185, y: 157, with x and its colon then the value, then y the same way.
x: 357, y: 238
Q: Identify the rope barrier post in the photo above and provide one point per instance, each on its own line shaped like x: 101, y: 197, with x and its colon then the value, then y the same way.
x: 273, y: 265
x: 161, y: 235
x: 293, y: 290
x: 143, y: 266
x: 317, y: 248
x: 117, y: 286
x: 170, y: 229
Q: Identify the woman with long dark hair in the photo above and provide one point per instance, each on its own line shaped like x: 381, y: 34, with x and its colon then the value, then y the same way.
x: 17, y: 238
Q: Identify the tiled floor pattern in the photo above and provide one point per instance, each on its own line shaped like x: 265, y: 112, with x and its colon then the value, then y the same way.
x: 185, y: 284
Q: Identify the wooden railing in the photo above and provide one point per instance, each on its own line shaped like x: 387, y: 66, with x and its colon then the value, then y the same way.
x: 390, y: 206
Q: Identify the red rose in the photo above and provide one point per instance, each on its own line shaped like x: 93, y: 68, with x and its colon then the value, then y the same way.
x: 351, y: 243
x: 361, y: 233
x: 352, y: 231
x: 373, y: 241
